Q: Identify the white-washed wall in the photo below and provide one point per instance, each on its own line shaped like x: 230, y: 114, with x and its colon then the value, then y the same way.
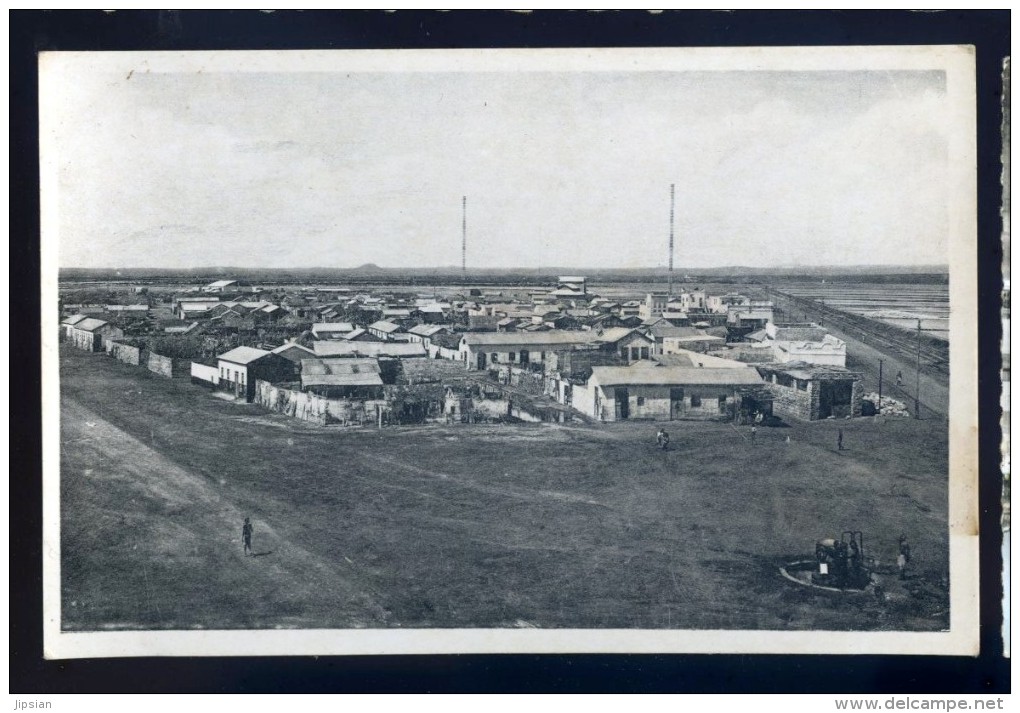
x: 204, y: 372
x: 583, y: 399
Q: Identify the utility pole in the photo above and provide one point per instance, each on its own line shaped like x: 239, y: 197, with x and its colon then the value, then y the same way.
x: 463, y: 238
x: 917, y: 381
x: 672, y: 199
x: 880, y: 386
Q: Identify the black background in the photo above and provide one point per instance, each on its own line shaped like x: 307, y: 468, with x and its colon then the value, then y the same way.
x: 33, y: 31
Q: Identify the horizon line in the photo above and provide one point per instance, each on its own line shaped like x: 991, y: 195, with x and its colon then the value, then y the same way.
x: 942, y: 267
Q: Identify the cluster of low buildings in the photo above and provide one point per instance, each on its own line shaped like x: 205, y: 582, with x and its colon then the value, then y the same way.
x: 688, y: 355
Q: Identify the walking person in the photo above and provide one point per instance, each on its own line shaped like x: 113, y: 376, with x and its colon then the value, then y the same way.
x: 903, y: 558
x: 246, y: 533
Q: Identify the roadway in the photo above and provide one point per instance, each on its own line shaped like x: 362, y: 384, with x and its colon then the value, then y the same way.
x: 934, y: 394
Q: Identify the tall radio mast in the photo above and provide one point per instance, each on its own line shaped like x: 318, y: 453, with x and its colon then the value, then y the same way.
x: 672, y: 199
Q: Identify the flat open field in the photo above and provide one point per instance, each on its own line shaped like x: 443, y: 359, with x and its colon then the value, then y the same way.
x: 475, y: 526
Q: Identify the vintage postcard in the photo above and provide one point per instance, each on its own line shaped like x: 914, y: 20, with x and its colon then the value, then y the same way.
x: 546, y: 351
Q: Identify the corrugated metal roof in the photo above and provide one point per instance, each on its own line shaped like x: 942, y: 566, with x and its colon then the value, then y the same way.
x: 673, y: 376
x: 340, y: 380
x: 292, y: 345
x: 615, y: 334
x: 707, y: 361
x: 332, y: 327
x: 550, y: 337
x: 384, y: 326
x: 74, y: 319
x: 806, y: 371
x: 663, y: 329
x: 369, y: 349
x: 339, y: 366
x: 90, y: 324
x: 426, y: 330
x: 243, y: 355
x: 554, y: 337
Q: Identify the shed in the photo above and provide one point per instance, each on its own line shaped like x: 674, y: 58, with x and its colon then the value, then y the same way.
x: 240, y: 367
x: 91, y: 334
x: 814, y: 391
x: 664, y: 392
x: 342, y: 378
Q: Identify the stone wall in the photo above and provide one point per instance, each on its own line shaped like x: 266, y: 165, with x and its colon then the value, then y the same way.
x: 127, y: 353
x: 807, y: 404
x: 791, y: 401
x: 857, y: 398
x: 168, y: 367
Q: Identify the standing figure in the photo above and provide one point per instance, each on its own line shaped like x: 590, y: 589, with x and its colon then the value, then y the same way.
x: 899, y: 379
x: 662, y: 439
x: 839, y: 440
x: 246, y: 533
x: 754, y: 435
x: 903, y: 559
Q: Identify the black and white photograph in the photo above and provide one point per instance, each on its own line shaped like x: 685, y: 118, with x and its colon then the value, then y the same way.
x: 494, y: 351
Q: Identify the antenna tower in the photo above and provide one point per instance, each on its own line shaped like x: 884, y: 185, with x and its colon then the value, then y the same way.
x: 672, y: 198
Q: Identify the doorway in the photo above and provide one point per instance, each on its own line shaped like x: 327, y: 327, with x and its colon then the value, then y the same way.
x: 622, y: 404
x: 834, y: 399
x: 676, y: 404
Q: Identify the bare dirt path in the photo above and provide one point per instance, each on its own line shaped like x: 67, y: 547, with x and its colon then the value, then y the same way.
x: 186, y: 533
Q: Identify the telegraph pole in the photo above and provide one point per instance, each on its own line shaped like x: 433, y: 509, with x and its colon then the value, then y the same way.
x: 463, y: 238
x: 917, y: 381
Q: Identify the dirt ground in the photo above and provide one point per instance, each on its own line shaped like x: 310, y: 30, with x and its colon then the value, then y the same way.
x: 543, y: 525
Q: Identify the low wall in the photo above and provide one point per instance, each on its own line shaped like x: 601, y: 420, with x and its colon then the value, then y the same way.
x: 124, y: 352
x: 168, y: 367
x: 204, y: 373
x: 309, y: 407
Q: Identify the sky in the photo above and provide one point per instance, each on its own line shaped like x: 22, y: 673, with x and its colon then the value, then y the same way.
x: 336, y: 169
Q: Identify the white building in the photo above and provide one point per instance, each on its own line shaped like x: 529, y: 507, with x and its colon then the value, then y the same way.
x: 805, y: 342
x: 221, y: 286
